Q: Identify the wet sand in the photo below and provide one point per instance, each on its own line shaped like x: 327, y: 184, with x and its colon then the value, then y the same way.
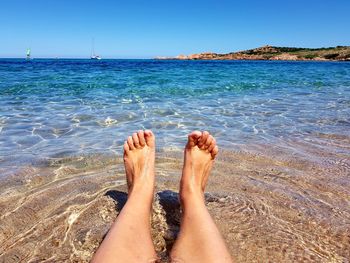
x: 271, y: 206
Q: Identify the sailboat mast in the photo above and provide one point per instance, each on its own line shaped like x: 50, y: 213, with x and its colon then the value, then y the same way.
x: 93, y: 47
x: 93, y: 55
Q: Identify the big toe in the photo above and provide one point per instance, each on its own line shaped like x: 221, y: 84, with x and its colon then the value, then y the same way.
x: 150, y: 139
x: 193, y: 139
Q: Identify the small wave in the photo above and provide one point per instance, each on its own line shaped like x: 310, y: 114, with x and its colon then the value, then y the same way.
x: 107, y: 122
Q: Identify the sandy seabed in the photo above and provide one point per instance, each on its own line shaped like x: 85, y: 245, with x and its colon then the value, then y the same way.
x: 271, y: 207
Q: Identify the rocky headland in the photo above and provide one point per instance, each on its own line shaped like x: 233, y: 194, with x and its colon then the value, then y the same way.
x: 338, y: 53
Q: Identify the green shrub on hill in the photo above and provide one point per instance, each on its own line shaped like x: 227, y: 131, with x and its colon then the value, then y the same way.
x: 310, y: 56
x: 331, y: 56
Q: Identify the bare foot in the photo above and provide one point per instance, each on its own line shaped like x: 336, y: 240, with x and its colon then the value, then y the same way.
x: 200, y: 152
x: 139, y: 157
x: 199, y: 239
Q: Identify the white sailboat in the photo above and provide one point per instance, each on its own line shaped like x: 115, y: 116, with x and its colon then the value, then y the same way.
x: 93, y: 55
x: 28, y: 54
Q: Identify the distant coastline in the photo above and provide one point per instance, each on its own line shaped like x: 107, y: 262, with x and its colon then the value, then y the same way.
x: 338, y: 53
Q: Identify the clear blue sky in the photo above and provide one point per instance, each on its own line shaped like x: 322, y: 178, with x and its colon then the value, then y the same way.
x: 147, y: 28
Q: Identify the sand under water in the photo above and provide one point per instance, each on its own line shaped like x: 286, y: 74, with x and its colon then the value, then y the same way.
x: 270, y: 207
x: 280, y: 190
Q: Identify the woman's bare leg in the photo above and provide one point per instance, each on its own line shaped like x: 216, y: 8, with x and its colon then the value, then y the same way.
x: 129, y: 239
x: 199, y: 239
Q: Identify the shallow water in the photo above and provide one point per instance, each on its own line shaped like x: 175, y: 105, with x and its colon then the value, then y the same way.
x: 280, y: 189
x: 52, y: 108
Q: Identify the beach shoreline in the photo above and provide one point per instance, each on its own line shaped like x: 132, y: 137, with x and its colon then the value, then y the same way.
x: 266, y: 207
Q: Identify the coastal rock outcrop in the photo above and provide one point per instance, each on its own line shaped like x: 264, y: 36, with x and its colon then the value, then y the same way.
x: 339, y: 53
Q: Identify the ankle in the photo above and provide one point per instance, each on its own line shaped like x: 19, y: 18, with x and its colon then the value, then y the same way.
x: 191, y: 196
x: 144, y: 191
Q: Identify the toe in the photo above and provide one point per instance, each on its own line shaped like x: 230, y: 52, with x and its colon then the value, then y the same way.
x: 135, y: 139
x: 208, y: 142
x: 203, y: 139
x: 141, y: 136
x: 131, y: 143
x: 214, y: 152
x: 126, y: 148
x: 212, y: 145
x: 149, y: 137
x: 193, y: 138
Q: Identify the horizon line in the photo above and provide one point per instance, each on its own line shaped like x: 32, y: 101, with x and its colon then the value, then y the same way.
x: 158, y: 56
x: 61, y: 58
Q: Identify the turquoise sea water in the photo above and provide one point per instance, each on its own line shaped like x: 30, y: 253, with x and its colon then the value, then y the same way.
x: 58, y: 108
